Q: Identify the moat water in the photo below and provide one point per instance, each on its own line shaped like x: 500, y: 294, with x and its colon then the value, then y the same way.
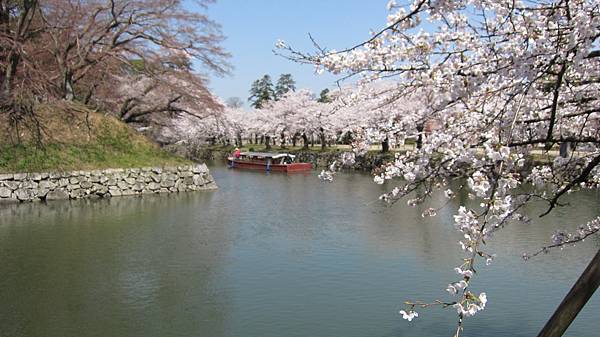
x: 272, y: 255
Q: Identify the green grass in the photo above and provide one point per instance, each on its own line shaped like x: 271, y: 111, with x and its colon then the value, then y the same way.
x: 108, y: 143
x: 68, y: 157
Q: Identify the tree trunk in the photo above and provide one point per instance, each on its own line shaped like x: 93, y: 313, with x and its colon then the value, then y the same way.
x: 577, y: 297
x: 267, y: 142
x: 385, y: 145
x: 564, y: 150
x: 282, y: 140
x: 420, y: 136
x: 68, y: 92
x: 305, y: 141
x: 239, y: 139
x: 322, y: 139
x: 294, y: 139
x: 13, y: 62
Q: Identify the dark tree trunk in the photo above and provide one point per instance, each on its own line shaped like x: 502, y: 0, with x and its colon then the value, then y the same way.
x: 67, y: 86
x: 322, y: 139
x: 239, y: 139
x: 267, y: 142
x: 564, y: 150
x: 385, y: 145
x: 13, y: 62
x: 282, y: 140
x: 312, y: 140
x: 420, y: 136
x: 294, y: 139
x: 305, y: 141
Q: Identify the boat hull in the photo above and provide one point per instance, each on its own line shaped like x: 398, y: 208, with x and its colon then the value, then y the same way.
x: 261, y: 166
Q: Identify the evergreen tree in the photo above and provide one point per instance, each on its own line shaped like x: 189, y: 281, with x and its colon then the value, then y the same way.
x: 285, y: 84
x: 324, y: 96
x: 261, y: 91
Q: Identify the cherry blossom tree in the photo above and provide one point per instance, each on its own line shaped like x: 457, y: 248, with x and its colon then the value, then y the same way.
x: 133, y: 58
x: 503, y: 80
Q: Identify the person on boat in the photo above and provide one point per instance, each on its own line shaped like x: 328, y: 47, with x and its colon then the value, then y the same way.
x: 237, y: 153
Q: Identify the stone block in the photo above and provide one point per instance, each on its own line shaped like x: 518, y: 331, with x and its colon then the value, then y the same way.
x: 6, y: 176
x: 198, y: 180
x: 200, y: 168
x: 42, y: 192
x: 47, y: 184
x: 128, y: 192
x: 86, y: 184
x: 55, y: 175
x: 13, y: 185
x: 19, y: 176
x: 155, y: 177
x: 100, y: 189
x: 28, y: 184
x: 167, y: 183
x: 63, y: 182
x: 115, y: 192
x: 138, y: 187
x: 57, y: 194
x: 122, y: 185
x: 153, y: 186
x: 35, y: 176
x: 157, y: 170
x: 130, y: 180
x: 77, y: 193
x: 25, y: 194
x: 5, y: 192
x: 73, y: 187
x: 73, y: 180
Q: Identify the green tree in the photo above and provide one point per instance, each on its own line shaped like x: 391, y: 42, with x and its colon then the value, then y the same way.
x: 285, y: 84
x: 261, y: 92
x: 324, y: 96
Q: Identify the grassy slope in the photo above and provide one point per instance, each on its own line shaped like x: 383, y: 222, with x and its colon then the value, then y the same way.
x: 76, y: 138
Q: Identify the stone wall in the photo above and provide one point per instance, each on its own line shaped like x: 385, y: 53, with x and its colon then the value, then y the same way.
x: 20, y: 187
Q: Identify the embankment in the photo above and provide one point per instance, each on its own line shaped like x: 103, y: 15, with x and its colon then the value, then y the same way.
x: 27, y: 187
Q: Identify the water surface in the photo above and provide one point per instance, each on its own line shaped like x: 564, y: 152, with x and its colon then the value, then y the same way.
x: 271, y: 256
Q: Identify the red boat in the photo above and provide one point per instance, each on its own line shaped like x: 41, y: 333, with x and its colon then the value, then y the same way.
x: 279, y: 162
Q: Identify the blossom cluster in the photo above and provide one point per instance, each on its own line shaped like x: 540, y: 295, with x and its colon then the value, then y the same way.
x: 502, y: 93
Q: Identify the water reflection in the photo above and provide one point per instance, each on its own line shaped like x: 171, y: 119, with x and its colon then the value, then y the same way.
x: 268, y: 255
x: 120, y: 267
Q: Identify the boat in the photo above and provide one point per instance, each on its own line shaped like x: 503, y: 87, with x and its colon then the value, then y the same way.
x: 265, y: 161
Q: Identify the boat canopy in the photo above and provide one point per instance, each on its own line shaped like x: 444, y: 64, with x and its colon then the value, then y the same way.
x: 266, y: 155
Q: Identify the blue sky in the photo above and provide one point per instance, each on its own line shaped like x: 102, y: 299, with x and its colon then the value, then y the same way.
x: 253, y: 26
